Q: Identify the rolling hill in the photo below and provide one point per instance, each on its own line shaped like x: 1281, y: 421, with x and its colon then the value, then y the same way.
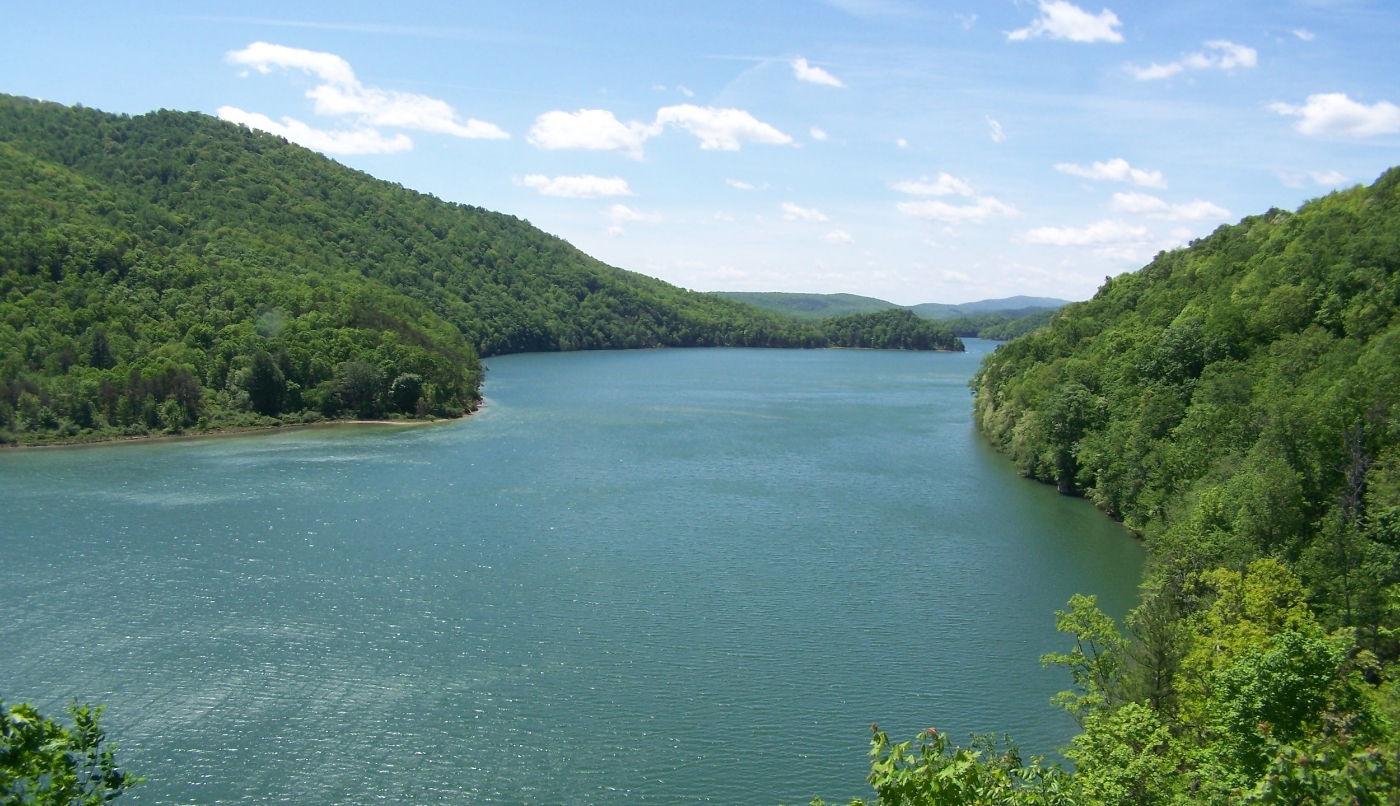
x: 170, y: 272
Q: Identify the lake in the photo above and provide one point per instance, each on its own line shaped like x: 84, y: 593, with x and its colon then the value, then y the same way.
x: 664, y: 576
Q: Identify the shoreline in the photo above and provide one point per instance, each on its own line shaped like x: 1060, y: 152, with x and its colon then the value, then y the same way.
x: 233, y: 432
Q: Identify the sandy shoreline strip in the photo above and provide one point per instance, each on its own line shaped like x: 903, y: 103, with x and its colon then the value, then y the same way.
x: 233, y: 432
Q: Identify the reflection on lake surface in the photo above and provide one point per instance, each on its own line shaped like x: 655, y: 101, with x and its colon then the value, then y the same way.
x: 665, y: 576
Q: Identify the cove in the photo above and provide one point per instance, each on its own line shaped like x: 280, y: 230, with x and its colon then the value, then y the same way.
x: 665, y: 576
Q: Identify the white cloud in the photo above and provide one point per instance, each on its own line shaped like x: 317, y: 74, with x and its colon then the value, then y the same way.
x: 1060, y: 19
x: 1153, y: 207
x: 341, y: 94
x: 735, y: 183
x: 1223, y: 55
x: 622, y: 214
x: 813, y: 74
x: 1098, y: 234
x: 686, y: 91
x: 997, y: 135
x: 358, y: 141
x: 946, y: 185
x: 817, y: 134
x: 837, y: 236
x: 588, y: 130
x: 792, y: 212
x: 984, y: 208
x: 1304, y: 34
x: 719, y: 129
x: 1115, y: 170
x: 1328, y: 178
x: 902, y: 143
x: 1333, y: 114
x: 599, y: 130
x: 587, y: 186
x: 263, y: 56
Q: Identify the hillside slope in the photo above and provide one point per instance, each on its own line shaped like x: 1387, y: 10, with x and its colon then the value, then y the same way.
x: 1011, y: 307
x: 808, y: 307
x: 1238, y: 403
x: 171, y: 271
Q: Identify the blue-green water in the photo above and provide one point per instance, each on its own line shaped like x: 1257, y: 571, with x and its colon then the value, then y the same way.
x: 666, y: 576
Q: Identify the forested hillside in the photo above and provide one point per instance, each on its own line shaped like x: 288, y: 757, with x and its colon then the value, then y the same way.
x: 171, y: 271
x: 893, y: 329
x: 1003, y: 325
x: 1237, y: 403
x: 808, y: 307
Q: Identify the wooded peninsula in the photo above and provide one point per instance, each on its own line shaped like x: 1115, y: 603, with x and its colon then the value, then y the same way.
x: 171, y: 273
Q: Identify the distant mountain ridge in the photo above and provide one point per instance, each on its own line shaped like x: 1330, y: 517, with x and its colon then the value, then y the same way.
x: 1021, y: 304
x: 1001, y: 319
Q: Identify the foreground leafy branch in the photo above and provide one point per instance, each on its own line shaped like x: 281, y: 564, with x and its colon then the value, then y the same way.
x: 45, y: 764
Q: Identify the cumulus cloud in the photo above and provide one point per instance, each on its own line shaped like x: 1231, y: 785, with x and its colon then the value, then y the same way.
x: 600, y: 130
x: 1304, y: 34
x: 1060, y: 19
x: 358, y: 141
x: 984, y: 208
x: 1333, y: 114
x: 793, y: 212
x: 945, y: 185
x: 817, y: 134
x: 1115, y: 170
x: 837, y: 236
x: 720, y: 129
x: 1222, y: 55
x: 735, y: 183
x: 813, y: 74
x: 588, y: 130
x: 587, y: 186
x: 341, y: 94
x: 1097, y: 234
x: 1153, y: 207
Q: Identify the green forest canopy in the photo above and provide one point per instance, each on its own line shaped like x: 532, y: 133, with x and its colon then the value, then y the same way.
x: 1237, y: 403
x: 171, y: 271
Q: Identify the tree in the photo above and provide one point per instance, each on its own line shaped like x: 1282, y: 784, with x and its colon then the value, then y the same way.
x: 45, y: 764
x: 1095, y: 663
x: 1124, y: 757
x: 405, y: 391
x: 265, y: 384
x: 358, y: 385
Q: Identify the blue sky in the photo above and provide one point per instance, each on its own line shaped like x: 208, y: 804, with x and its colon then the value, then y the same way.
x: 914, y: 151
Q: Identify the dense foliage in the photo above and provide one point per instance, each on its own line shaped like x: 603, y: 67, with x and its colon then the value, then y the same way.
x: 808, y: 307
x: 893, y: 329
x: 173, y: 272
x: 1237, y: 403
x: 1001, y: 326
x: 42, y: 763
